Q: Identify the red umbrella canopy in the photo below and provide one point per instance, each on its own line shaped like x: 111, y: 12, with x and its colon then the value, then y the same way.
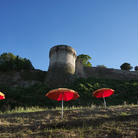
x: 66, y: 93
x: 104, y: 92
x: 2, y: 96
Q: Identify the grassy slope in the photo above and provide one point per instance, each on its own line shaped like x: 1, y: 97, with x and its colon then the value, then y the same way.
x: 111, y: 122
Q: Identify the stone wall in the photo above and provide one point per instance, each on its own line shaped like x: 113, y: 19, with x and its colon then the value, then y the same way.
x: 79, y: 69
x: 23, y: 78
x: 110, y: 73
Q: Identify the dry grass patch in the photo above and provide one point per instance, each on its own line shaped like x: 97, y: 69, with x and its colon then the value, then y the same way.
x: 113, y: 121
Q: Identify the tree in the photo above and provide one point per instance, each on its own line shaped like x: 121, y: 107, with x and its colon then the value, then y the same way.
x: 7, y: 57
x: 27, y: 64
x: 126, y: 66
x: 85, y: 59
x: 6, y: 61
x: 136, y: 68
x: 9, y: 61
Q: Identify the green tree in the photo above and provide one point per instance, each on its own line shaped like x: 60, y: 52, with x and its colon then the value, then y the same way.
x: 9, y: 61
x: 27, y: 64
x: 7, y: 57
x: 136, y: 68
x: 126, y: 66
x: 85, y: 59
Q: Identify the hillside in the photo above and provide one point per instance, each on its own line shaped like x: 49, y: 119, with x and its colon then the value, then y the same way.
x: 126, y: 91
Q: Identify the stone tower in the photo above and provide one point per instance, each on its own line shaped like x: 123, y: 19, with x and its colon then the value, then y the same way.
x: 61, y: 67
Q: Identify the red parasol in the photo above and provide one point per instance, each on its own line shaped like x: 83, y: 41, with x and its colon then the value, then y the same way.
x: 62, y: 94
x: 2, y: 96
x: 102, y: 93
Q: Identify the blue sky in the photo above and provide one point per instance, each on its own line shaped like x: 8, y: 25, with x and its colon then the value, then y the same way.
x: 107, y: 30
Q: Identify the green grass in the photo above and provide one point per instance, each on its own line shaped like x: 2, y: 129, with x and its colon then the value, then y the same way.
x: 36, y: 109
x: 23, y: 110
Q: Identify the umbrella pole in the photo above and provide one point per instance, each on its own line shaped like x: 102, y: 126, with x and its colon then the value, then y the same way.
x: 104, y: 101
x: 62, y: 108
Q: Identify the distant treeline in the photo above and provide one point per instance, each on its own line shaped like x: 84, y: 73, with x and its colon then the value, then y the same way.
x: 9, y: 61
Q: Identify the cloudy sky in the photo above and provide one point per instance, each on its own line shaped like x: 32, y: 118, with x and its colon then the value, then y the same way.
x: 106, y: 30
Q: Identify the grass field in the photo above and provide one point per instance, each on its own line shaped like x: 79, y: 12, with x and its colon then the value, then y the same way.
x: 90, y: 122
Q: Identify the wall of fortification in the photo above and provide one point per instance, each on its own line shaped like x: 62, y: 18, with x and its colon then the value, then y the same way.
x: 61, y: 69
x: 22, y: 78
x: 62, y: 54
x: 110, y: 73
x: 79, y: 68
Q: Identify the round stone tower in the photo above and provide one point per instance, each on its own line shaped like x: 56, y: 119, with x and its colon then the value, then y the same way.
x: 61, y: 67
